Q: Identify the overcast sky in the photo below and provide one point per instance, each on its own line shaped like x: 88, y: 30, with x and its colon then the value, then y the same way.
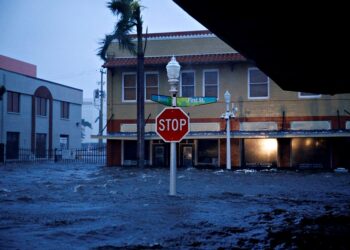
x: 61, y: 37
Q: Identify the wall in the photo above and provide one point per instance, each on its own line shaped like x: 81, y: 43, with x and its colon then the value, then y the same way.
x: 28, y: 85
x: 21, y: 122
x: 235, y: 80
x: 68, y: 126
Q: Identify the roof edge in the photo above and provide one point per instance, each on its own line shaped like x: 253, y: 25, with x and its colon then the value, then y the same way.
x: 192, y: 33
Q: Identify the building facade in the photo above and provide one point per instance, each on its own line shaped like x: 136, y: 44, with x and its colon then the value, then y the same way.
x: 272, y: 127
x: 38, y: 115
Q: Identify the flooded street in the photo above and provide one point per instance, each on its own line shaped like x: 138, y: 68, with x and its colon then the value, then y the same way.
x: 52, y: 206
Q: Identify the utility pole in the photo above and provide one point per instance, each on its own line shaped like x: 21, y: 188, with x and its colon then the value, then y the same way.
x: 100, y: 125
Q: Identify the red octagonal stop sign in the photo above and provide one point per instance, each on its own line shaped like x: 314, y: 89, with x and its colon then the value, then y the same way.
x: 172, y: 124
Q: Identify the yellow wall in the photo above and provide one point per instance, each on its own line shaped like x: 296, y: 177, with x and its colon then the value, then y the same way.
x: 235, y: 81
x: 232, y: 77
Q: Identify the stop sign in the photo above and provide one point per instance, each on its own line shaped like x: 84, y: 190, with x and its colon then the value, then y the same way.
x: 172, y: 124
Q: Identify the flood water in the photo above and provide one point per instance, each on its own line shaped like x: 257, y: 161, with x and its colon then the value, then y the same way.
x: 52, y: 206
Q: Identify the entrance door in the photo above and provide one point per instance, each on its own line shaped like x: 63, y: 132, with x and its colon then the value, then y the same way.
x: 40, y: 145
x: 159, y: 155
x: 187, y: 156
x: 12, y: 145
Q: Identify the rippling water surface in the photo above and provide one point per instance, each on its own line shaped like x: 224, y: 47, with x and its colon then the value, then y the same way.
x: 52, y: 206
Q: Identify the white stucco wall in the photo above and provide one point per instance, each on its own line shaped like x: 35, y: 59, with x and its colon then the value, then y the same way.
x: 21, y: 122
x: 70, y: 126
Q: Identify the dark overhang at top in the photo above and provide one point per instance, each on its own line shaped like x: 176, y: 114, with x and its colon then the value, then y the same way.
x: 302, y: 47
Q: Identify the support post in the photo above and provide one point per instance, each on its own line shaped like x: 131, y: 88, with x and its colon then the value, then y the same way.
x: 172, y: 188
x: 100, y: 123
x: 228, y: 115
x: 172, y: 169
x: 228, y: 144
x: 173, y: 72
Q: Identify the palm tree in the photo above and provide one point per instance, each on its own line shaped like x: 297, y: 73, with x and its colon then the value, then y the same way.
x: 129, y: 13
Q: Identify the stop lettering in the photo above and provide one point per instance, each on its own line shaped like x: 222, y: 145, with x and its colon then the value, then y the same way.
x: 172, y: 124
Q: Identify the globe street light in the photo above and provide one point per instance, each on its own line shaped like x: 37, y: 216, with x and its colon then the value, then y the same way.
x: 227, y: 97
x: 227, y: 115
x: 173, y: 72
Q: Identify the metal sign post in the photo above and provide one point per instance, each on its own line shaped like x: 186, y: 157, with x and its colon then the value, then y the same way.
x: 173, y: 71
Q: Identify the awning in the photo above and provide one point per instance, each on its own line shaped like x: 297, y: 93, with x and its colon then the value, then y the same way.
x: 234, y: 134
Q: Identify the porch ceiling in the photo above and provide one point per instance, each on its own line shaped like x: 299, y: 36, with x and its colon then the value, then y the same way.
x: 301, y: 47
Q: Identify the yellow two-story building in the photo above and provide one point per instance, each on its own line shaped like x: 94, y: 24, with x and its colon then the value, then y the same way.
x: 272, y: 127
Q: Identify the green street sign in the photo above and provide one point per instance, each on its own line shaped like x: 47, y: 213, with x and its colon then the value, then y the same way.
x: 194, y: 101
x: 183, y: 101
x: 163, y: 99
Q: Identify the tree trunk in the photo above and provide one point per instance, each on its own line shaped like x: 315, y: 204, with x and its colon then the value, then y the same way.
x: 140, y: 99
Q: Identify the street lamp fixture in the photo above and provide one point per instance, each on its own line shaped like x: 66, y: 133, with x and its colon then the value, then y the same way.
x: 227, y: 115
x: 173, y: 72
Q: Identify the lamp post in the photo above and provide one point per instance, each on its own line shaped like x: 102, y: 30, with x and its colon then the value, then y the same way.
x: 227, y: 115
x: 173, y: 72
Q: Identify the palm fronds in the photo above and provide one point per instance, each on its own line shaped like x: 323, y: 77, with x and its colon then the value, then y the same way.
x: 129, y: 16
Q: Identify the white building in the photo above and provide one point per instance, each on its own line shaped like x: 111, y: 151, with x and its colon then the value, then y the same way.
x: 90, y: 114
x: 38, y: 115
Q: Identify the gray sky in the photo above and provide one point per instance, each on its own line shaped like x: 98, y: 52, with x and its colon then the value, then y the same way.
x: 61, y: 37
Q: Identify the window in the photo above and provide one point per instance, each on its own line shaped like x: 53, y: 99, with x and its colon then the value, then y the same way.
x: 40, y: 145
x: 258, y: 84
x: 129, y: 87
x: 308, y: 95
x: 65, y: 110
x: 310, y: 152
x: 41, y: 106
x: 151, y: 85
x: 64, y: 141
x: 211, y: 83
x: 260, y: 152
x: 12, y: 102
x: 187, y: 84
x: 208, y: 152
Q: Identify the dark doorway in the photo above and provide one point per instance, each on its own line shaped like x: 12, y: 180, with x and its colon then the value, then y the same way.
x: 130, y: 152
x: 160, y: 154
x: 187, y: 155
x: 340, y: 152
x: 40, y: 145
x: 310, y: 152
x: 12, y: 145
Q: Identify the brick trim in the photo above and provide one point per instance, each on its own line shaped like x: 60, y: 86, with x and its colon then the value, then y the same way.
x: 115, y: 125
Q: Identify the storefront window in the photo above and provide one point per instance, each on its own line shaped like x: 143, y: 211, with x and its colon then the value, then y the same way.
x: 260, y: 152
x: 130, y: 152
x: 208, y: 152
x: 310, y: 152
